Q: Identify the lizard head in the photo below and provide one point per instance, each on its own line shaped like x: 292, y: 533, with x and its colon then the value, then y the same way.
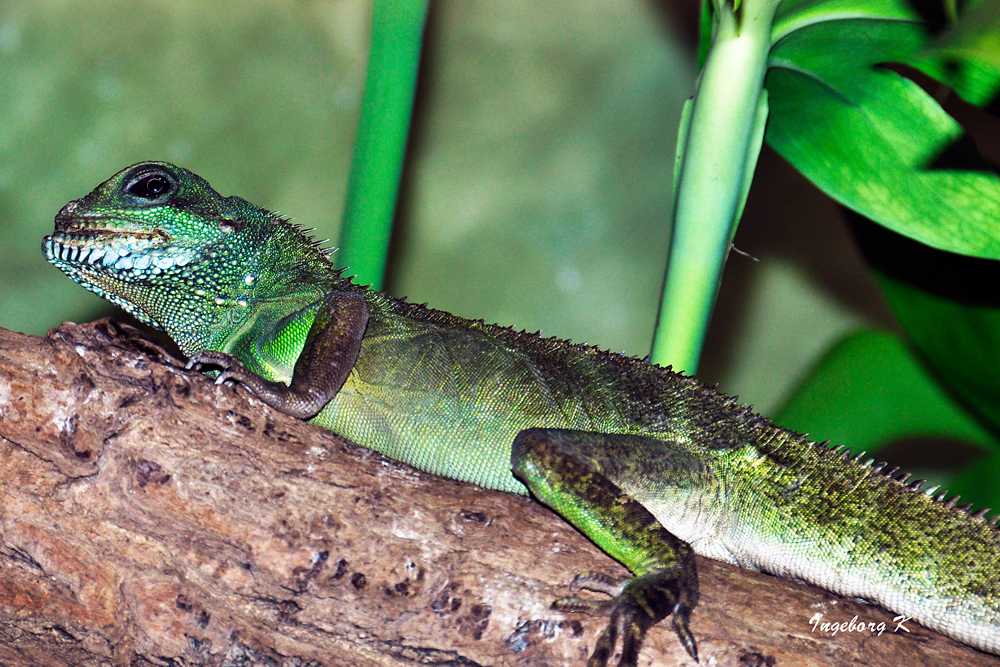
x: 154, y: 229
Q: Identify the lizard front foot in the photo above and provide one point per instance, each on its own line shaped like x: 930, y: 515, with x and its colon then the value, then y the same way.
x: 636, y: 604
x: 231, y: 368
x: 275, y: 394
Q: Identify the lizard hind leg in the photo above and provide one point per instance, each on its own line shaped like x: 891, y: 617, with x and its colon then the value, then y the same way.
x: 554, y: 464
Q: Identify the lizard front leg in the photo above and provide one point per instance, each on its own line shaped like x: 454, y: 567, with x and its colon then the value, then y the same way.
x: 553, y: 465
x: 331, y: 348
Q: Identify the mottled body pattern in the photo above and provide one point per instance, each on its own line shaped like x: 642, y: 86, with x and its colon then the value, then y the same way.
x: 648, y: 463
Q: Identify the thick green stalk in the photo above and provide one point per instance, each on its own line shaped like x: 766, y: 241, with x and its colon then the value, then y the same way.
x: 717, y: 152
x: 380, y: 146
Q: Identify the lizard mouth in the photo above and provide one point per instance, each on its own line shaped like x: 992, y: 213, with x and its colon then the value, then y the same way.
x: 112, y: 246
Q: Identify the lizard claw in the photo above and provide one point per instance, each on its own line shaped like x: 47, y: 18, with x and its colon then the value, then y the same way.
x: 599, y: 583
x: 231, y: 368
x: 229, y: 374
x: 636, y: 605
x: 211, y: 358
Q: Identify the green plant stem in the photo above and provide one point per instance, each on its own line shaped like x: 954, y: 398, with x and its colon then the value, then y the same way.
x: 380, y: 145
x: 717, y: 153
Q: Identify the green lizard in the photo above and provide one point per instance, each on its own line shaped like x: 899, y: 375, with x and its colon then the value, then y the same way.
x: 651, y: 465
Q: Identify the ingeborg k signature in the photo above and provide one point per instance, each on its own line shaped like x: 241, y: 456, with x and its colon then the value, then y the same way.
x: 854, y: 625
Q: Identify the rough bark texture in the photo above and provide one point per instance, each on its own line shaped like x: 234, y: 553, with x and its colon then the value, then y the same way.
x: 148, y: 517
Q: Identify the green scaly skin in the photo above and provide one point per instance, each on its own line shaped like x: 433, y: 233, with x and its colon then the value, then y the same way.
x: 651, y: 465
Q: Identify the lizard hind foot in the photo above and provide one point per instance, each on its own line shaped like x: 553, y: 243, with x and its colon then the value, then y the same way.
x: 636, y: 604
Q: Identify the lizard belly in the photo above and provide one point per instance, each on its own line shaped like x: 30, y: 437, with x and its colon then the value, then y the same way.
x: 449, y: 402
x: 441, y: 435
x: 694, y: 517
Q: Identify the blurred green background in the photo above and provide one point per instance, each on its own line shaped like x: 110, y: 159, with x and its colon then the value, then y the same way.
x: 536, y: 191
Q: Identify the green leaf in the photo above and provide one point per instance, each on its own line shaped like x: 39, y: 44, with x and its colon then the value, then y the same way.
x: 870, y: 390
x: 967, y: 56
x: 960, y: 341
x: 870, y: 138
x: 950, y: 308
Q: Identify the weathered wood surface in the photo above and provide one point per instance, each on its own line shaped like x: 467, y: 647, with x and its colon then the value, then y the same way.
x: 148, y: 517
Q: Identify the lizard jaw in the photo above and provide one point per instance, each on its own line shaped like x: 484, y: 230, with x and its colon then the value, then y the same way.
x: 106, y: 250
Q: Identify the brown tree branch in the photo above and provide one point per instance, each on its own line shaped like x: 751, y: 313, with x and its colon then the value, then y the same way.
x: 148, y: 517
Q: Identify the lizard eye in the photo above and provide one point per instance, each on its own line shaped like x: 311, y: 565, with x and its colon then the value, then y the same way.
x: 150, y: 187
